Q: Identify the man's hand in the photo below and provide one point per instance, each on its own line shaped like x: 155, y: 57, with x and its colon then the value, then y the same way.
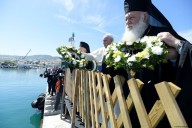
x: 169, y: 39
x: 172, y: 43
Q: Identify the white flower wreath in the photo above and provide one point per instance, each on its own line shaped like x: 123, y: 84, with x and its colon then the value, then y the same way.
x: 134, y: 56
x: 72, y: 56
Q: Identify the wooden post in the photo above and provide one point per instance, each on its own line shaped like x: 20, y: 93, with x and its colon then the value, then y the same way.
x: 170, y: 106
x: 109, y: 101
x: 93, y: 75
x: 91, y: 100
x: 138, y: 103
x: 157, y: 112
x: 122, y: 104
x: 102, y: 102
x: 75, y: 97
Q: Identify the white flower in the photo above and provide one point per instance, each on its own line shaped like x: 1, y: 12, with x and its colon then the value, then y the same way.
x: 66, y: 56
x: 130, y: 64
x: 80, y: 64
x: 82, y: 56
x: 142, y: 55
x: 120, y: 43
x: 129, y: 43
x: 157, y: 50
x: 159, y: 43
x: 149, y: 44
x: 118, y: 58
x: 144, y: 39
x: 126, y: 55
x: 74, y: 62
x: 132, y: 58
x: 107, y: 56
x: 114, y: 48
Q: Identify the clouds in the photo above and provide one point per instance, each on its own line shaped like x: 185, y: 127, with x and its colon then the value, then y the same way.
x: 67, y: 4
x: 66, y: 19
x: 85, y: 12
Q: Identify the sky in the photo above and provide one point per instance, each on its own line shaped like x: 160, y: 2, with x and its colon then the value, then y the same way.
x: 41, y: 26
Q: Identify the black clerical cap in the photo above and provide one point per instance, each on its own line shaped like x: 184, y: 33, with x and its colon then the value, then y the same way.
x: 85, y: 45
x: 135, y: 5
x: 156, y: 17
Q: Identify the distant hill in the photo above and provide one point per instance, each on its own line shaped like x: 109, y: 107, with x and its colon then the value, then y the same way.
x: 32, y: 57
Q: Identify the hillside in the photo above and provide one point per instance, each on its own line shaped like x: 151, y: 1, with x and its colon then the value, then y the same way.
x: 32, y: 57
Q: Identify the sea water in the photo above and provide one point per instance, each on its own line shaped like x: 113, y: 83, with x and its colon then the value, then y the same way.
x: 18, y: 88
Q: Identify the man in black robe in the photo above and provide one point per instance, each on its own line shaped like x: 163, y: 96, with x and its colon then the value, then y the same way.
x: 144, y: 19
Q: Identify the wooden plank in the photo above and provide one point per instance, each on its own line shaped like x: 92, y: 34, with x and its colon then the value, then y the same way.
x: 104, y: 121
x: 138, y: 103
x: 157, y: 112
x: 91, y: 100
x: 129, y: 100
x: 75, y: 96
x: 87, y: 101
x: 67, y: 86
x: 170, y: 106
x: 82, y: 96
x: 93, y: 75
x: 109, y: 101
x: 73, y: 77
x: 124, y: 112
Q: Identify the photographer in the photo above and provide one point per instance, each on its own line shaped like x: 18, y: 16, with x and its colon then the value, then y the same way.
x: 47, y: 74
x: 59, y: 90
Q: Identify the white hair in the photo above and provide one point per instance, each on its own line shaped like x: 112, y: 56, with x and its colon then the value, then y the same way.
x: 109, y: 36
x: 136, y: 32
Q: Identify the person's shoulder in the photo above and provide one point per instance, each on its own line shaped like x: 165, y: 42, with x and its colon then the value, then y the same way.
x: 154, y: 30
x: 160, y: 28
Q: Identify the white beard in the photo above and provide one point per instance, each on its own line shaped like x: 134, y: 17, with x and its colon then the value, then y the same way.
x: 131, y: 35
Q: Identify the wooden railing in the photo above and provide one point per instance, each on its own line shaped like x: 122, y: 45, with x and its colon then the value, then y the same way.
x: 90, y: 94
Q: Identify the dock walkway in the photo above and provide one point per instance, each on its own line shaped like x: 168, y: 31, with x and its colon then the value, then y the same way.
x: 52, y: 119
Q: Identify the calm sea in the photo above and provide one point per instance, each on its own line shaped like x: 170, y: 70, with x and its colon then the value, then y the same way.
x: 18, y: 88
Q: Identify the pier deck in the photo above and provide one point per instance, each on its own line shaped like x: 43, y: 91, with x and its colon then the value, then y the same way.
x: 52, y: 119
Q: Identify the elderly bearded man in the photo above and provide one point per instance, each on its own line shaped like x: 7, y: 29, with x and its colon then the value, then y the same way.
x: 144, y: 19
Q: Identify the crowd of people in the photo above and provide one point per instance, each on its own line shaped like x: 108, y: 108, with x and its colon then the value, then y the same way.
x: 142, y: 18
x: 55, y: 82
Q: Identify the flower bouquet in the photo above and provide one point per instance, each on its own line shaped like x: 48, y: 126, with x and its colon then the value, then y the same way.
x: 72, y: 56
x: 135, y: 56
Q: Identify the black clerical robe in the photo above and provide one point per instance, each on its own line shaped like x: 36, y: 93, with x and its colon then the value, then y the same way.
x: 184, y: 81
x: 179, y: 73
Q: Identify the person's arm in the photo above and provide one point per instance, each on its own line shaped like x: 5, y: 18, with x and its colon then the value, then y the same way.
x: 96, y: 55
x: 171, y: 41
x: 89, y: 56
x: 174, y: 44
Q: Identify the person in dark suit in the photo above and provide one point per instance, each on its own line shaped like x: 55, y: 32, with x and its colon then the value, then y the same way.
x: 144, y: 19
